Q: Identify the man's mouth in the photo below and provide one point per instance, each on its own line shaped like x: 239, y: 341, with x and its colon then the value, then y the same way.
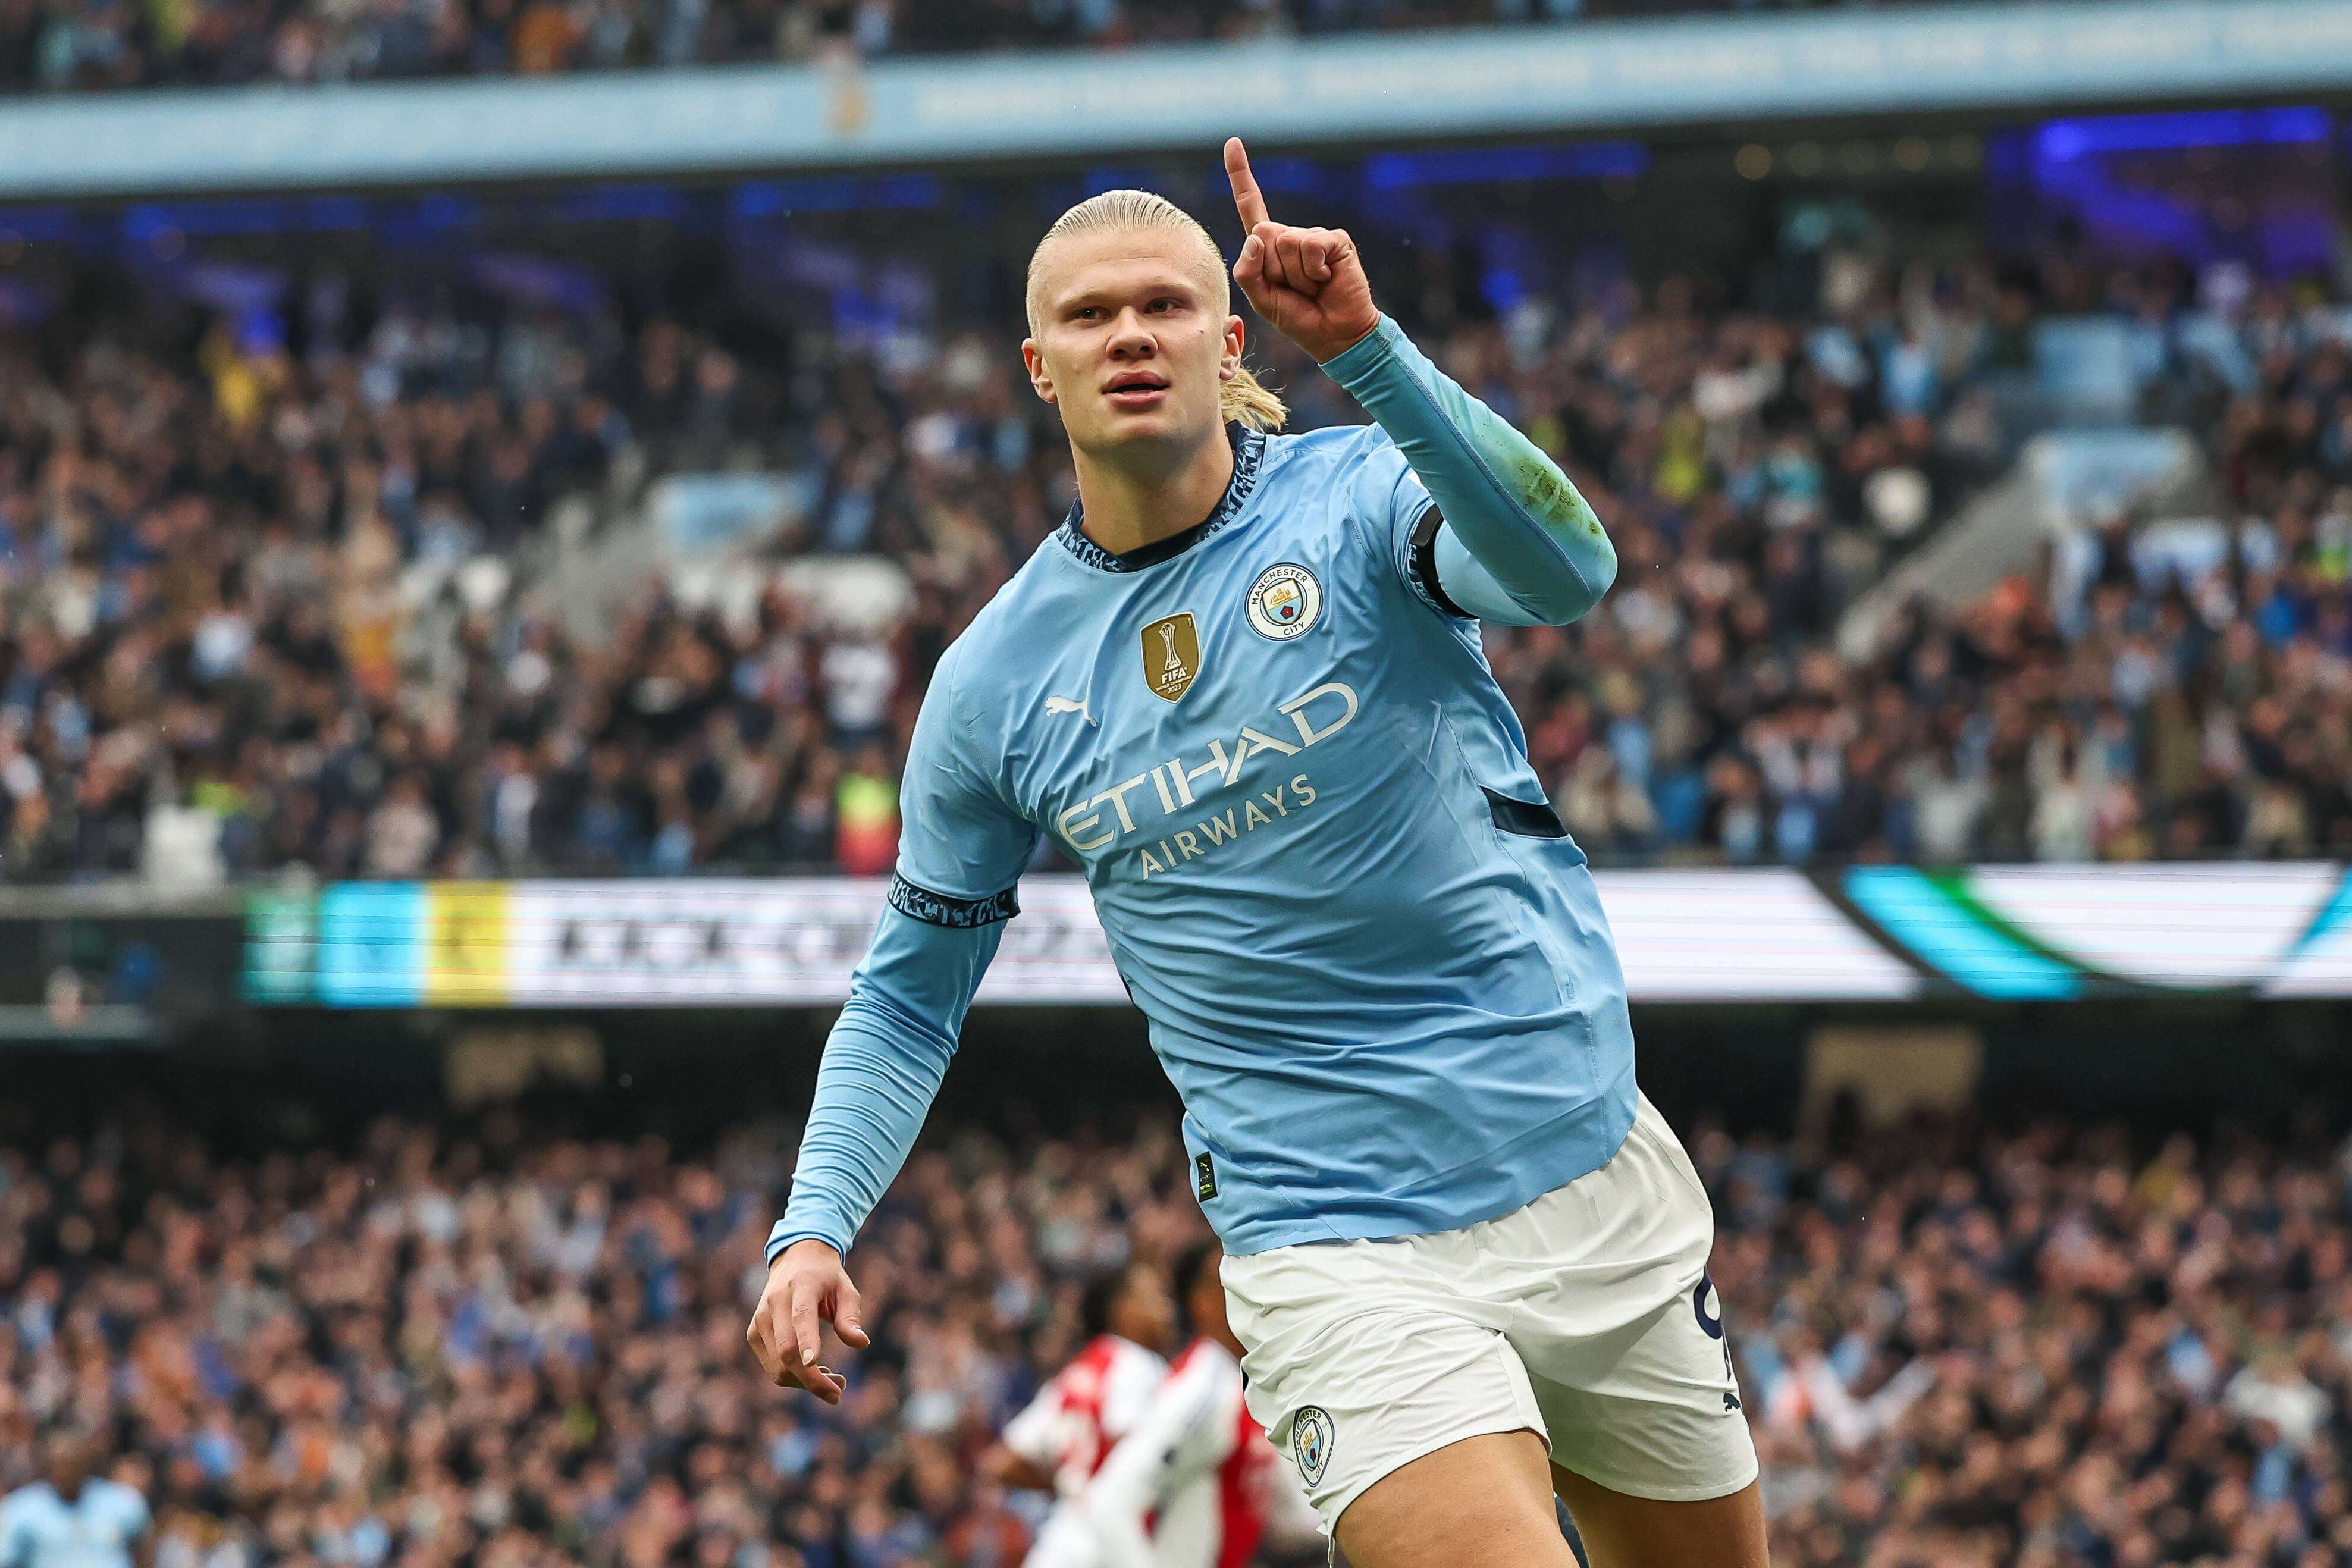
x: 1136, y: 391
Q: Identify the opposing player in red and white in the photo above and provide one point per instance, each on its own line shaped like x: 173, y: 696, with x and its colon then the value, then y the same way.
x: 1062, y: 1438
x: 1196, y: 1484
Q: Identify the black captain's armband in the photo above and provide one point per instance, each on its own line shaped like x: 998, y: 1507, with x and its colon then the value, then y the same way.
x: 1422, y: 563
x: 958, y: 914
x: 1527, y: 818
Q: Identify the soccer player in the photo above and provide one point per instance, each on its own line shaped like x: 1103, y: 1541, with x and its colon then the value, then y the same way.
x: 1195, y: 1484
x: 1062, y: 1438
x: 1243, y: 689
x: 71, y: 1518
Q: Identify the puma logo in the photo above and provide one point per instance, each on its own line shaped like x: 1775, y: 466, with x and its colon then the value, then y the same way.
x: 1069, y: 705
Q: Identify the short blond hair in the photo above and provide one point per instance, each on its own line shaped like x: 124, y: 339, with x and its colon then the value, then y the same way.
x: 1244, y: 397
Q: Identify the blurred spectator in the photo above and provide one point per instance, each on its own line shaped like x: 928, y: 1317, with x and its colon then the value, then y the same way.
x: 90, y: 45
x: 2044, y: 1346
x: 294, y: 610
x: 71, y: 1518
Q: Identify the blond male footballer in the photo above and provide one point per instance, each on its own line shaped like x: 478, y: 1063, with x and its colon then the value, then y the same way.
x: 1242, y: 689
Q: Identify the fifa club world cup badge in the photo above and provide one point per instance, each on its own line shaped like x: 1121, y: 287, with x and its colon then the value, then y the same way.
x: 1284, y: 600
x: 1311, y: 1442
x: 1171, y: 655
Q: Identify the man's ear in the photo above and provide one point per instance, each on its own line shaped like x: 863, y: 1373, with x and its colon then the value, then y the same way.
x: 1036, y: 361
x: 1229, y: 364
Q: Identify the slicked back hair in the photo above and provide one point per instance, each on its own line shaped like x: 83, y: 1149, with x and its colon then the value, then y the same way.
x: 1245, y: 399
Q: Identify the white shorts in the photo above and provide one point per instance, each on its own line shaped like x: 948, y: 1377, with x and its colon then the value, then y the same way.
x: 1586, y: 1317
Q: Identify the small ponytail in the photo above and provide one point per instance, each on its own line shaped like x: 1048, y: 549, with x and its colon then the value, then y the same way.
x: 1251, y: 401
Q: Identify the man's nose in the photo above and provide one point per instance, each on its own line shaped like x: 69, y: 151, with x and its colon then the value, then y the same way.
x: 1131, y: 333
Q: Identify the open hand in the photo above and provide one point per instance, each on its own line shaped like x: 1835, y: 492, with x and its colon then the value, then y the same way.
x: 1308, y: 283
x: 806, y: 1285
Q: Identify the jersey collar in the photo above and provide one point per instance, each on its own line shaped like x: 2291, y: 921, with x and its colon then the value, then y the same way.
x: 1249, y: 449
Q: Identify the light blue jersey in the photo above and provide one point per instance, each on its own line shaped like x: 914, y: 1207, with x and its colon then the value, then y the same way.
x: 1372, y: 961
x: 38, y: 1529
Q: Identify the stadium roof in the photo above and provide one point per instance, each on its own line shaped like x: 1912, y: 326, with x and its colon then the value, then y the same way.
x: 1573, y: 77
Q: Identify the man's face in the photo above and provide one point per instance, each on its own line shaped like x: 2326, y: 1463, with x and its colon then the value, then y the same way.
x: 70, y: 1460
x: 1133, y: 339
x: 1145, y: 1311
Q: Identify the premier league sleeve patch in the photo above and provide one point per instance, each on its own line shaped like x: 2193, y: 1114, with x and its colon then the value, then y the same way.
x: 1284, y: 600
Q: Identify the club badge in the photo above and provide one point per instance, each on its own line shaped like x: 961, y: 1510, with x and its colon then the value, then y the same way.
x: 1310, y: 1436
x: 1283, y: 602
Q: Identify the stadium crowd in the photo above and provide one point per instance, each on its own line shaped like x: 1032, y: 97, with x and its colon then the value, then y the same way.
x: 84, y: 45
x: 276, y: 579
x: 503, y: 1344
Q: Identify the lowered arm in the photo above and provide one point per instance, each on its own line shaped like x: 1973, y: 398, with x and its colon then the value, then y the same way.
x: 883, y: 1064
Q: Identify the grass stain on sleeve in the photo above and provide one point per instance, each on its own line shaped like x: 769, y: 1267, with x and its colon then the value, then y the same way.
x: 1550, y: 493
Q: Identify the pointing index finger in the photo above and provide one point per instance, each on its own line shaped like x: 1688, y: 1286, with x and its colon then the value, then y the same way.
x: 1245, y: 193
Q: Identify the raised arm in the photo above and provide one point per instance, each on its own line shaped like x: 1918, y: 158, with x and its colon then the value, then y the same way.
x: 960, y: 850
x: 1514, y: 541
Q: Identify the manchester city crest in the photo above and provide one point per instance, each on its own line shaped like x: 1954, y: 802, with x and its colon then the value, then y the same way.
x: 1310, y: 1436
x: 1284, y: 600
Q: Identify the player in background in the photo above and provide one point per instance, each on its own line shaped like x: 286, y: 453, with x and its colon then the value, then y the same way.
x: 1196, y: 1484
x: 1062, y: 1436
x: 1244, y: 688
x: 71, y: 1518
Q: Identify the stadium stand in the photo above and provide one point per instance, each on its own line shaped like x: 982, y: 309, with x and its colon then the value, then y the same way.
x: 91, y: 46
x: 533, y: 483
x: 337, y: 543
x: 505, y: 1343
x: 287, y: 579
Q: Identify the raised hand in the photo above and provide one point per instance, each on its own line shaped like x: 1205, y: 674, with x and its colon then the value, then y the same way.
x: 1308, y: 283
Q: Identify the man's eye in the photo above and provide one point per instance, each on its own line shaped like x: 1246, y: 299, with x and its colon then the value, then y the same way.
x: 1087, y: 312
x: 1161, y: 306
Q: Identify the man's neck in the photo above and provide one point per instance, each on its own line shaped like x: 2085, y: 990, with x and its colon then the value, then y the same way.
x: 1127, y: 506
